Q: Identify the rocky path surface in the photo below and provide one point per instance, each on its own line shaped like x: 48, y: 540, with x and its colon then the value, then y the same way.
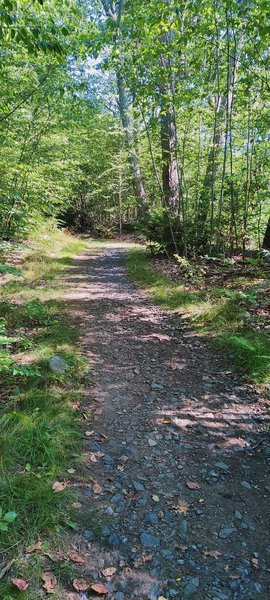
x: 175, y: 484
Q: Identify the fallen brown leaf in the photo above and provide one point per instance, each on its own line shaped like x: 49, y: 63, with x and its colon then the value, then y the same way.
x: 99, y: 588
x: 97, y: 488
x: 77, y: 558
x: 193, y: 485
x: 34, y: 547
x: 182, y: 507
x: 50, y: 582
x: 80, y: 585
x: 93, y: 457
x: 212, y: 553
x: 109, y: 571
x: 59, y: 486
x: 143, y: 559
x: 20, y: 584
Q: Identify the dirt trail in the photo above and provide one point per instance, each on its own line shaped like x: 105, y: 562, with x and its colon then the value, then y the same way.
x: 178, y: 498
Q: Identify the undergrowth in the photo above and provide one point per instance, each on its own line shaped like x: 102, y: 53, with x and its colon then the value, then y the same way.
x: 220, y: 315
x: 38, y: 429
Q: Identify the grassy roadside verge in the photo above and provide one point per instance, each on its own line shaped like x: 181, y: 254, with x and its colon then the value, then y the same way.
x: 38, y: 428
x: 222, y: 315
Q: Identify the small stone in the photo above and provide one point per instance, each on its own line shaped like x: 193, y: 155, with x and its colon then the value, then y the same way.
x: 214, y: 474
x: 156, y: 386
x: 114, y: 539
x: 192, y: 587
x: 58, y: 365
x: 238, y: 515
x: 151, y: 442
x: 139, y: 487
x: 109, y: 511
x: 117, y: 498
x: 148, y: 540
x: 107, y: 459
x: 106, y: 532
x: 226, y: 532
x: 151, y: 518
x: 88, y: 535
x: 246, y: 485
x: 222, y: 465
x: 184, y: 527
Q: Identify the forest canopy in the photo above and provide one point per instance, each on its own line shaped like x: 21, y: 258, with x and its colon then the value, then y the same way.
x: 153, y: 116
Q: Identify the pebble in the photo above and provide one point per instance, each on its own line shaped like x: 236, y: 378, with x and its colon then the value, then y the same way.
x: 114, y: 539
x: 148, y: 540
x: 222, y: 465
x: 238, y: 515
x: 117, y: 498
x: 58, y: 365
x: 88, y: 535
x: 192, y: 587
x: 151, y: 518
x: 183, y: 527
x: 156, y: 386
x: 139, y: 487
x: 151, y: 442
x: 226, y: 532
x: 246, y: 485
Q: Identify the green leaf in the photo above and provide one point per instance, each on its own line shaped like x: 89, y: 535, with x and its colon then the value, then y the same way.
x: 3, y: 527
x: 10, y: 517
x: 72, y: 525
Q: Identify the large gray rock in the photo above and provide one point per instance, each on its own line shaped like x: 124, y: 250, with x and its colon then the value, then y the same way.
x: 58, y: 365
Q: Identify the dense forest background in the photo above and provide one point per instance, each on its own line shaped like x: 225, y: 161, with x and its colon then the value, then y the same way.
x: 123, y: 114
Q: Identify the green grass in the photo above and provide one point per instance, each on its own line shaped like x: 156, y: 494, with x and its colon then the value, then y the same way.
x: 220, y: 315
x: 39, y: 432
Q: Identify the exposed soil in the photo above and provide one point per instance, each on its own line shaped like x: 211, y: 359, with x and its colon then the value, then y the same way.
x: 175, y: 484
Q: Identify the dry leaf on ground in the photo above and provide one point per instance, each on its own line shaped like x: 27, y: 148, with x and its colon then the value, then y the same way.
x: 212, y: 553
x: 34, y: 547
x: 143, y: 559
x: 20, y: 584
x: 99, y: 588
x: 182, y: 507
x: 77, y: 558
x: 97, y: 488
x: 193, y: 485
x: 109, y: 571
x: 80, y: 585
x: 59, y: 486
x: 49, y: 582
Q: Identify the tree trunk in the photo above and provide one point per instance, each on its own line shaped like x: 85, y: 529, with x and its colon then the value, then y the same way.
x: 115, y: 11
x: 127, y: 123
x: 266, y: 239
x: 170, y: 175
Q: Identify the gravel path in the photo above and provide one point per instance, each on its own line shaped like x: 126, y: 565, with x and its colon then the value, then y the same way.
x: 174, y: 494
